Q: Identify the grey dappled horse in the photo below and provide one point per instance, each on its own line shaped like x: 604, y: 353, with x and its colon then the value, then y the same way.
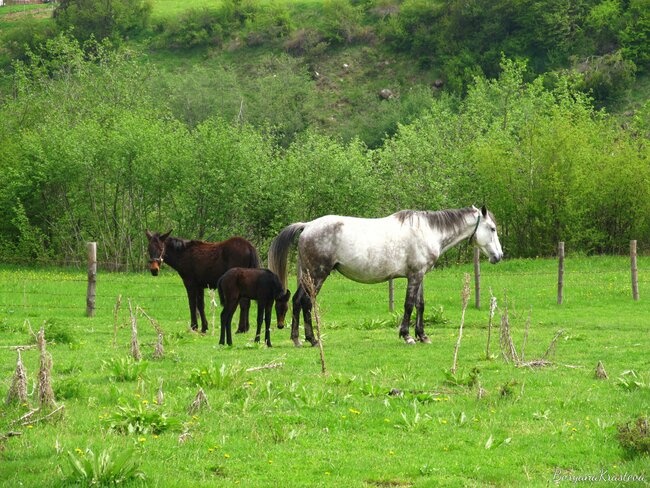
x: 406, y: 244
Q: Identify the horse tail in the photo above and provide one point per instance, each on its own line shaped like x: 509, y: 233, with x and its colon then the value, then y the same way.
x: 255, y: 258
x: 222, y: 298
x: 279, y: 250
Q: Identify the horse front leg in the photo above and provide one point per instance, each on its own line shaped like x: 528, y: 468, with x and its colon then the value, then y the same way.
x: 419, y: 317
x: 244, y: 324
x: 191, y: 296
x: 412, y: 289
x: 200, y: 305
x: 268, y: 308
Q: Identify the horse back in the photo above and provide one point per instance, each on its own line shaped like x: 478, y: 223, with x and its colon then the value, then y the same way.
x: 206, y: 262
x: 252, y: 283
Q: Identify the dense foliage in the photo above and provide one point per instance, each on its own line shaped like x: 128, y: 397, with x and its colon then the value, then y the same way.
x: 89, y: 153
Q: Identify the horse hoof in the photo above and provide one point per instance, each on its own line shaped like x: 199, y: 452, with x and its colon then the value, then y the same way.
x: 409, y: 340
x: 424, y: 339
x: 314, y: 343
x: 297, y: 343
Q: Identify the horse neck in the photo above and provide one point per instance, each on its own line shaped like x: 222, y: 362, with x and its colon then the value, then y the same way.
x: 173, y: 252
x: 452, y: 238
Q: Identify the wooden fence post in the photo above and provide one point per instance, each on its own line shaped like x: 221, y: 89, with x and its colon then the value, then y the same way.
x: 92, y: 279
x: 391, y: 295
x: 635, y: 275
x: 560, y: 274
x: 477, y: 277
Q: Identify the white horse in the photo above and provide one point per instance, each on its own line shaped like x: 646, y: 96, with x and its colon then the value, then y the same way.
x: 406, y: 244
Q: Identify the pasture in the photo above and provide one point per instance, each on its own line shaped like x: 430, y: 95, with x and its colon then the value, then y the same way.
x: 292, y: 426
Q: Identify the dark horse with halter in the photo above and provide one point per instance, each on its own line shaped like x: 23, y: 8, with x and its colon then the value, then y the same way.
x: 200, y: 265
x: 261, y: 285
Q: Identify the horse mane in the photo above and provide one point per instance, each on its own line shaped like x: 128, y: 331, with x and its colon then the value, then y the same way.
x: 450, y: 220
x: 177, y: 244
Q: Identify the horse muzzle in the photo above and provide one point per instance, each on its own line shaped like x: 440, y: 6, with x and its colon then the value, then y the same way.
x: 155, y: 269
x: 495, y: 259
x: 281, y: 325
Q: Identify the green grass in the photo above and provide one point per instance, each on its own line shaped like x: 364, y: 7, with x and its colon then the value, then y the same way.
x: 291, y: 426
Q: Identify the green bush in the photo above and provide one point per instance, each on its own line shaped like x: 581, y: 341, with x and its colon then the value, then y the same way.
x: 139, y: 419
x: 104, y: 469
x: 102, y: 18
x: 635, y: 436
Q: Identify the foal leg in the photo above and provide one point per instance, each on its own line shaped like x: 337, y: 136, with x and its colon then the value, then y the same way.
x: 414, y: 282
x: 419, y: 317
x: 191, y: 296
x: 268, y: 308
x: 228, y: 311
x: 225, y: 319
x: 244, y: 307
x: 260, y: 318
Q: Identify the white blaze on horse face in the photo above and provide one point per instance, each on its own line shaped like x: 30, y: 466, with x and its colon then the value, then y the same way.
x: 488, y: 240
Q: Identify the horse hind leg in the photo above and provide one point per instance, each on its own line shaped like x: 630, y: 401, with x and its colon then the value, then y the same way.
x: 244, y: 324
x: 307, y: 307
x: 296, y: 305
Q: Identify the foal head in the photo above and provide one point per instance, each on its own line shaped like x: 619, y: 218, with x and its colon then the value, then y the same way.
x: 281, y: 308
x: 156, y: 250
x: 486, y: 237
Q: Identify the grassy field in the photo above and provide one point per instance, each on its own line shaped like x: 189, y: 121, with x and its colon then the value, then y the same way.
x: 291, y: 426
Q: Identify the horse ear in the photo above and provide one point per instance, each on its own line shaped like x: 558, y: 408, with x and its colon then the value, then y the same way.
x: 165, y: 236
x: 484, y: 211
x: 149, y: 234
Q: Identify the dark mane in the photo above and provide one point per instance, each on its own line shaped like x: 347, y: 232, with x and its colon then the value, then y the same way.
x: 177, y: 244
x: 450, y: 220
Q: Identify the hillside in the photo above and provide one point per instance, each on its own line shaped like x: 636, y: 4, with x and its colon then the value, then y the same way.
x: 240, y: 117
x: 294, y: 65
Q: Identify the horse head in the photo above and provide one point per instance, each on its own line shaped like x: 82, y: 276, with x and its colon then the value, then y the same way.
x: 485, y: 236
x: 156, y: 250
x: 281, y: 308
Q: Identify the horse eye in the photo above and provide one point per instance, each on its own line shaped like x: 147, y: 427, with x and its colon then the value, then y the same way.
x: 493, y: 229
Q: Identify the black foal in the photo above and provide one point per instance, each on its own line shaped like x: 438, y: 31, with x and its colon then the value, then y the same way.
x: 261, y: 285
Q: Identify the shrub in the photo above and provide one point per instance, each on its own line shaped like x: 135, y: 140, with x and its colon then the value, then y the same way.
x: 139, y: 419
x: 605, y: 76
x: 102, y: 18
x: 68, y: 388
x: 125, y: 368
x: 635, y: 436
x: 213, y: 377
x: 106, y: 468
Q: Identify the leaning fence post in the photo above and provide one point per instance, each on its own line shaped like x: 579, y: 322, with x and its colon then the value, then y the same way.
x: 560, y: 273
x: 391, y: 295
x: 477, y: 277
x: 92, y: 279
x: 635, y: 275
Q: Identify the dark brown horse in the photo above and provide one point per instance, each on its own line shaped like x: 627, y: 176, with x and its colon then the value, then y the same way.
x: 261, y: 285
x: 200, y: 265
